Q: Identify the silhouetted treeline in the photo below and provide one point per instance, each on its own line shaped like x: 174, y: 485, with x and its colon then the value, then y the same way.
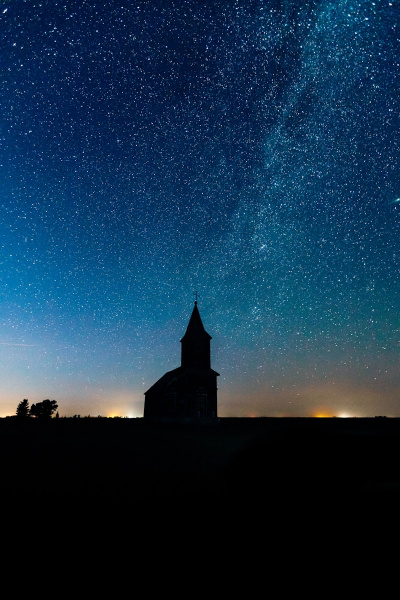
x: 41, y: 410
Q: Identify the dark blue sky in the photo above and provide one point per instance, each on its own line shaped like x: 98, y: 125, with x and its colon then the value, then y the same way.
x: 247, y: 150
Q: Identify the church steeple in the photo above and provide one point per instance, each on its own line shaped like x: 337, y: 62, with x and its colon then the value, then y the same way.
x: 196, y: 343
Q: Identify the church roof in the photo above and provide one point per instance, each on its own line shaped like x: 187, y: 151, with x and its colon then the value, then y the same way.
x: 161, y: 383
x: 195, y: 327
x: 166, y: 378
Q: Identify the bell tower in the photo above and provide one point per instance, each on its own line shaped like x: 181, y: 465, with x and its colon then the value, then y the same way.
x: 196, y: 343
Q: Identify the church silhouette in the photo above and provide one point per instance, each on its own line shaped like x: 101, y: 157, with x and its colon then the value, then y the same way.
x: 190, y: 391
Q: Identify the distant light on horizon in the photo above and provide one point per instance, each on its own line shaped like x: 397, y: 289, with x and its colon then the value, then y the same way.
x: 323, y: 416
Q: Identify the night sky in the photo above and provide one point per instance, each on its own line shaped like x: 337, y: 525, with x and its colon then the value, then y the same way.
x: 247, y: 150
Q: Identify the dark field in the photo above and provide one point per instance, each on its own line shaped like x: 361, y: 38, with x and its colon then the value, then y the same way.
x: 131, y: 462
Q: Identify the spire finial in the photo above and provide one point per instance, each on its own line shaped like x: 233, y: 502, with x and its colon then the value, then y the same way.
x: 196, y: 296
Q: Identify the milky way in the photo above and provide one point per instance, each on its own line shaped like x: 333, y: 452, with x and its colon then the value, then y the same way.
x: 247, y: 150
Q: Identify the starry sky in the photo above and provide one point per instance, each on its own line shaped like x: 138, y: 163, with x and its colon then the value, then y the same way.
x: 249, y: 150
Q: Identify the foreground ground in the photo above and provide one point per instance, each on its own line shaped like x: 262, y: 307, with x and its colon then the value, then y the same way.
x: 236, y: 460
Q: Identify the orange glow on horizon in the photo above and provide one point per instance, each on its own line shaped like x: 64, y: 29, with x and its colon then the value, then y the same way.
x: 323, y: 416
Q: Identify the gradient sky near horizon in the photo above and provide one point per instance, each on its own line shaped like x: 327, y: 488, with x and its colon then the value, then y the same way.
x: 247, y: 150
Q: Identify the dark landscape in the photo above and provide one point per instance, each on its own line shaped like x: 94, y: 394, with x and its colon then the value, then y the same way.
x: 137, y: 463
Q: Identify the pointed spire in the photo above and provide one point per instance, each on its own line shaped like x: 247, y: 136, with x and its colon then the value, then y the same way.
x: 195, y: 326
x: 196, y: 342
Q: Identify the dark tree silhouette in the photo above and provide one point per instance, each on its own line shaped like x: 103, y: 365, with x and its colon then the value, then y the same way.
x: 23, y: 409
x: 44, y: 409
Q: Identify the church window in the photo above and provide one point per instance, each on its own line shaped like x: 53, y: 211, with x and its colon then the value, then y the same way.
x: 170, y: 397
x: 201, y: 397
